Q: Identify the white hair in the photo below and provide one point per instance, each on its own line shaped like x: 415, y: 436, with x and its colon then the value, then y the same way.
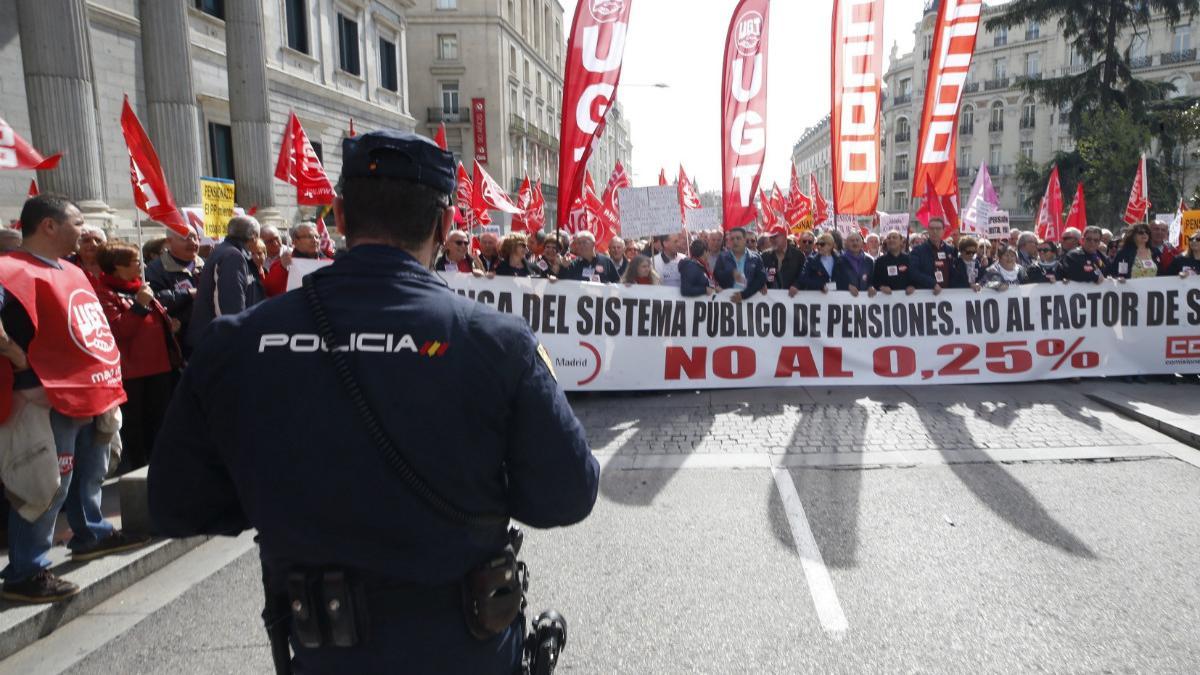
x: 585, y: 235
x: 94, y: 229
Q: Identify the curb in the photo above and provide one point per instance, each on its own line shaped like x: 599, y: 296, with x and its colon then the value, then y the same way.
x: 99, y: 580
x: 1156, y: 423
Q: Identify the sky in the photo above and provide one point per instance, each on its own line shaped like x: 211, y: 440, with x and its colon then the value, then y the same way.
x: 681, y: 43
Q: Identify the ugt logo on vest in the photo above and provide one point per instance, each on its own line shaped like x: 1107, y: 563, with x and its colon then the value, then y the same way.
x: 89, y: 328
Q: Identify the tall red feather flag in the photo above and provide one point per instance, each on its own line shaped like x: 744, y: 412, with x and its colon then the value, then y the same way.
x: 595, y: 52
x: 150, y: 191
x: 744, y: 110
x: 17, y: 153
x: 857, y: 83
x: 953, y: 45
x: 1139, y: 196
x: 1049, y: 221
x: 520, y: 221
x: 440, y: 137
x: 1077, y: 218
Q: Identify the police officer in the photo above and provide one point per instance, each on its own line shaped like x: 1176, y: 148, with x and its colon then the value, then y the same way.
x: 300, y: 468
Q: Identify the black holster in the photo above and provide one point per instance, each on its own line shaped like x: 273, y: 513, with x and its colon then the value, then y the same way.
x: 493, y: 594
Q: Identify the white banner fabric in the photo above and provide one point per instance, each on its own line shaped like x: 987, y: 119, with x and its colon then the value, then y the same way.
x: 618, y: 338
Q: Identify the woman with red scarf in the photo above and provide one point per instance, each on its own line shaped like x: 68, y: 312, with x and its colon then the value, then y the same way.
x: 150, y: 353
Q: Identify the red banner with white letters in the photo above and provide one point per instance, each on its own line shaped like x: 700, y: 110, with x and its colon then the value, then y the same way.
x: 857, y: 69
x: 479, y: 123
x: 954, y: 37
x: 595, y: 53
x: 744, y: 110
x: 150, y: 192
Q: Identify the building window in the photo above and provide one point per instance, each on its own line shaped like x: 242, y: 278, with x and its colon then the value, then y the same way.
x: 999, y: 69
x: 450, y: 100
x: 297, y: 24
x: 1028, y: 114
x: 1033, y: 64
x: 966, y: 123
x: 997, y: 123
x: 447, y: 4
x: 348, y: 45
x: 964, y: 160
x: 388, y: 76
x: 1137, y: 50
x: 1001, y: 37
x: 512, y: 60
x: 1182, y: 40
x: 212, y: 8
x: 928, y: 49
x: 319, y: 151
x: 220, y: 150
x: 903, y: 133
x: 995, y: 152
x: 900, y: 200
x: 1033, y: 31
x: 447, y: 47
x: 1027, y: 150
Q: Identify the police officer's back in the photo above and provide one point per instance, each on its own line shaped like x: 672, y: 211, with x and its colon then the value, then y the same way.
x: 262, y: 435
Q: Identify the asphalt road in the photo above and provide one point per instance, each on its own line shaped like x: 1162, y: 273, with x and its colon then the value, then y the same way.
x: 1056, y: 565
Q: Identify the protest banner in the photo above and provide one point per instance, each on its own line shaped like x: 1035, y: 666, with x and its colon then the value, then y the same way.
x: 897, y: 222
x: 998, y: 225
x: 649, y: 211
x: 1191, y: 224
x: 846, y: 224
x: 217, y: 199
x: 617, y: 338
x: 704, y: 219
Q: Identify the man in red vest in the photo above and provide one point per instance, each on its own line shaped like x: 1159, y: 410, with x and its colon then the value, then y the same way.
x: 60, y: 354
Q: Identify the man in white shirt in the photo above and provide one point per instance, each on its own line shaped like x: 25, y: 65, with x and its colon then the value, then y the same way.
x: 667, y: 262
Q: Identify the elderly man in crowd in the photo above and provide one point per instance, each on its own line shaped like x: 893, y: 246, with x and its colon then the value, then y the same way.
x: 454, y: 255
x: 931, y: 260
x: 1084, y: 264
x: 806, y: 243
x: 10, y: 239
x: 489, y: 252
x: 783, y: 262
x: 590, y: 265
x: 872, y: 245
x: 175, y: 275
x: 1159, y: 232
x: 616, y: 251
x: 715, y: 241
x: 226, y: 278
x: 1070, y: 240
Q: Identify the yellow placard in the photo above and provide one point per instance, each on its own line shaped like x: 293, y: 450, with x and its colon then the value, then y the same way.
x: 1191, y: 224
x: 805, y: 225
x: 217, y: 195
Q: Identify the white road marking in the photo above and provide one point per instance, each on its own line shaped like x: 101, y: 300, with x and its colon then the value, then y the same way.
x: 820, y: 583
x: 75, y: 641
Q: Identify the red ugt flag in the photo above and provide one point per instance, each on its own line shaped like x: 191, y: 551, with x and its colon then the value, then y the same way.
x: 299, y: 165
x: 1049, y: 222
x: 1139, y: 196
x: 744, y: 110
x: 16, y: 153
x: 1077, y: 218
x: 520, y: 221
x: 150, y: 192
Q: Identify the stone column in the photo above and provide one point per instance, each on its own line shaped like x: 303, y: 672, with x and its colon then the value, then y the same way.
x: 56, y: 53
x: 172, y: 113
x: 249, y: 106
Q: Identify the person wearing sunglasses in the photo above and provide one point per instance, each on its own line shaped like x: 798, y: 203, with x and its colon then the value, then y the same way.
x: 1045, y: 268
x: 1070, y: 239
x: 1084, y: 264
x: 824, y: 271
x: 1187, y: 263
x: 514, y: 250
x: 454, y: 256
x: 966, y: 271
x: 1137, y: 259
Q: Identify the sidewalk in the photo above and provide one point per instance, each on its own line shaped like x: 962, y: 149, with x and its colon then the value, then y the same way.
x: 1171, y: 409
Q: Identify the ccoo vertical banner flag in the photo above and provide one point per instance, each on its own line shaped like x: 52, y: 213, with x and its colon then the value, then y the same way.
x: 593, y: 71
x: 744, y: 110
x: 857, y: 70
x: 954, y: 37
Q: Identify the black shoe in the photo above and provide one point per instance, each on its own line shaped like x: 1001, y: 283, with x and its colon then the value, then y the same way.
x: 41, y: 587
x: 116, y: 542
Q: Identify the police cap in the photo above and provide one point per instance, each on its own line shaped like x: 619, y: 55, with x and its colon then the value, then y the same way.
x: 399, y: 155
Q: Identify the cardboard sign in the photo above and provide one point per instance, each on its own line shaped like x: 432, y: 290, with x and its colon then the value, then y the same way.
x: 846, y: 224
x: 1191, y: 224
x: 893, y: 223
x: 998, y: 225
x: 302, y: 267
x: 217, y: 199
x: 704, y: 219
x: 649, y: 211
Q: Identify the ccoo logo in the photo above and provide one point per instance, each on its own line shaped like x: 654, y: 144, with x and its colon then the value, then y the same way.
x: 749, y: 34
x: 89, y: 328
x: 606, y: 11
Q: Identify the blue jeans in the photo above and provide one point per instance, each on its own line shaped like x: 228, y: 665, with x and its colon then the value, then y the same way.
x: 29, y: 542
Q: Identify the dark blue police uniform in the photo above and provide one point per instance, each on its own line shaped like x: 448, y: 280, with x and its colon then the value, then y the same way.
x: 260, y: 435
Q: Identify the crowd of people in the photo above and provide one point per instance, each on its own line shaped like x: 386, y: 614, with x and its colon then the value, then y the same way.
x: 737, y: 260
x: 159, y: 298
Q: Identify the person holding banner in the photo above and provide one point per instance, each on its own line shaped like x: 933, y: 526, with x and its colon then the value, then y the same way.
x: 1047, y: 262
x: 966, y: 271
x: 1084, y: 264
x: 931, y: 260
x: 825, y: 270
x: 693, y: 272
x: 616, y: 251
x: 591, y: 266
x: 513, y: 251
x: 859, y: 266
x: 1187, y: 263
x: 739, y: 268
x: 551, y: 262
x: 640, y: 272
x: 1137, y: 259
x: 893, y: 268
x: 1160, y: 232
x: 1006, y: 273
x: 784, y: 262
x: 454, y: 254
x: 666, y: 263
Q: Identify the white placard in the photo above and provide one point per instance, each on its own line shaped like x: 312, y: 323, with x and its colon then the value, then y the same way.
x: 649, y: 211
x: 998, y: 225
x: 704, y: 219
x: 897, y: 222
x: 302, y: 267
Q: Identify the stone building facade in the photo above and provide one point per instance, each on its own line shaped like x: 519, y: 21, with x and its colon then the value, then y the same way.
x: 213, y: 82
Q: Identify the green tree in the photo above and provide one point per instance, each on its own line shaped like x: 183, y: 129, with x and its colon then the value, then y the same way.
x: 1097, y: 30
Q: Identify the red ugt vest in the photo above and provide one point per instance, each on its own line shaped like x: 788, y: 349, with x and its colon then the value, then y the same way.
x: 74, y: 352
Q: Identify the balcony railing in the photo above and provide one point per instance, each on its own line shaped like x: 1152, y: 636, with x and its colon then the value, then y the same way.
x: 1033, y: 34
x: 966, y: 129
x: 995, y: 170
x: 902, y: 174
x: 448, y: 115
x: 903, y: 136
x: 999, y: 83
x: 996, y: 126
x: 1185, y: 56
x: 1028, y: 77
x: 902, y: 99
x: 970, y: 87
x: 964, y: 171
x: 1028, y: 121
x: 1141, y: 62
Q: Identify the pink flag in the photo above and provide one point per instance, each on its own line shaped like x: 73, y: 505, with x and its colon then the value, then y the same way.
x: 982, y: 202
